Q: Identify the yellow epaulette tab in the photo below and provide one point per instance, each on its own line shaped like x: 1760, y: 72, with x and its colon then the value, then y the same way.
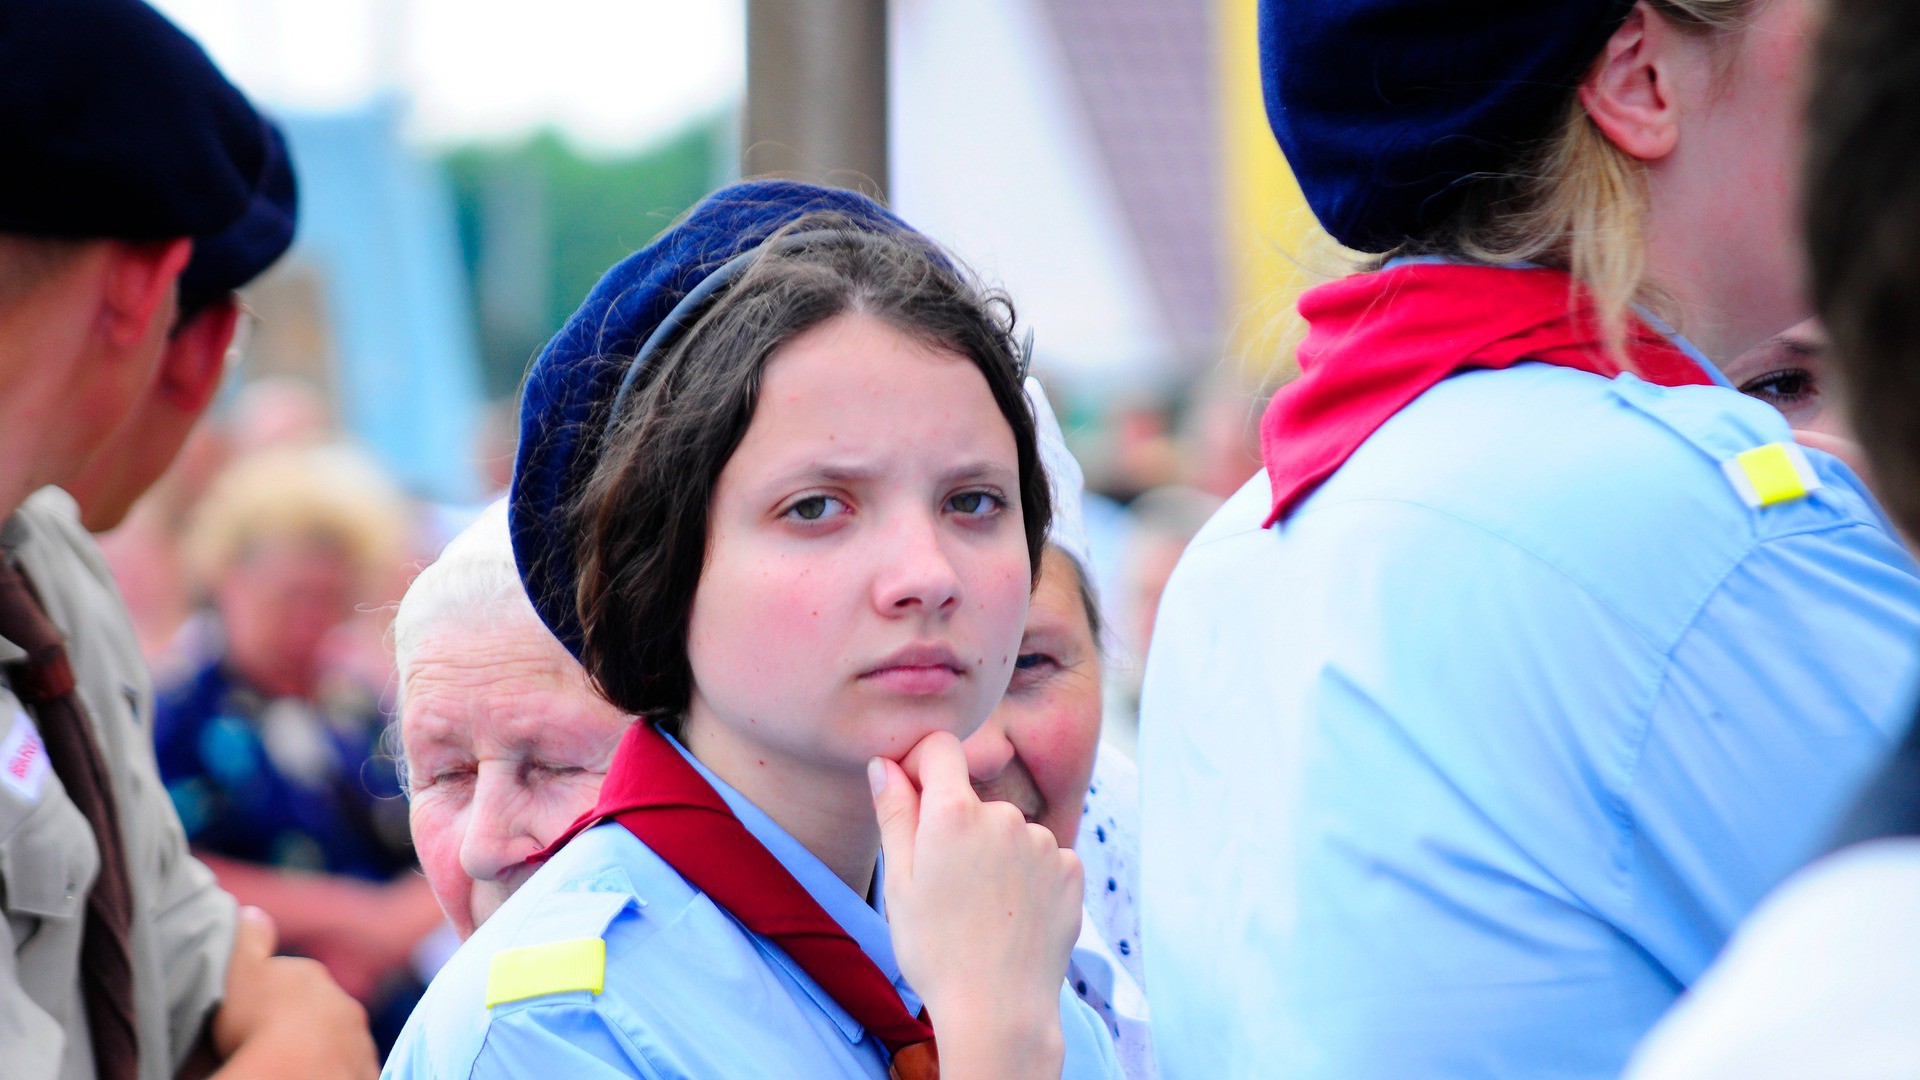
x: 1772, y: 474
x: 539, y: 970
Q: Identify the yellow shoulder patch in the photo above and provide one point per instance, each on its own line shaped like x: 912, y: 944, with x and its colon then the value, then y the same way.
x: 538, y: 970
x: 1772, y: 474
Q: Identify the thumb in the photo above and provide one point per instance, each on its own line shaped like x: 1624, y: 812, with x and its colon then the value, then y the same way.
x: 255, y: 936
x: 897, y: 805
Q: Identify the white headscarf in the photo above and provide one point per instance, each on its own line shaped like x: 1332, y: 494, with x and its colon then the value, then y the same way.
x: 1065, y: 481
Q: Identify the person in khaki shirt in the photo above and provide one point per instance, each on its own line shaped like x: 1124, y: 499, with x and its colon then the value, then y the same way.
x: 156, y: 190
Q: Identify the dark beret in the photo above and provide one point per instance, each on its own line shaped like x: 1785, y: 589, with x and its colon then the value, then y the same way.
x: 576, y: 378
x: 243, y: 250
x: 1385, y: 107
x: 116, y: 124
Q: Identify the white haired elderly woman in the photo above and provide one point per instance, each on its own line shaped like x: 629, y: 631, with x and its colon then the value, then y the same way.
x: 504, y: 739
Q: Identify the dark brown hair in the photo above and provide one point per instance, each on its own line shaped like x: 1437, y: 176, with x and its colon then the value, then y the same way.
x: 1863, y: 231
x: 642, y: 515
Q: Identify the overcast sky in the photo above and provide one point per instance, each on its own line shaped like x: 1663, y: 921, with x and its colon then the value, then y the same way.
x: 613, y: 73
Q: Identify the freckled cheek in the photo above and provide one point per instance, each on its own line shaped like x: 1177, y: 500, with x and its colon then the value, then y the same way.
x: 769, y: 615
x: 1001, y: 596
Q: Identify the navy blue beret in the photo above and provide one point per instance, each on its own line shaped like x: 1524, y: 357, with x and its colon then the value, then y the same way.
x: 243, y: 250
x: 575, y: 380
x: 116, y: 124
x: 1385, y: 107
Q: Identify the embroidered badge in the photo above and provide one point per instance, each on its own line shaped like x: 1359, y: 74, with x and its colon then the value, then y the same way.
x: 23, y: 758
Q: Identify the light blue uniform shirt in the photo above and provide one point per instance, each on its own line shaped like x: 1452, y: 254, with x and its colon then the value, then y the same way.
x: 689, y: 992
x: 1468, y: 768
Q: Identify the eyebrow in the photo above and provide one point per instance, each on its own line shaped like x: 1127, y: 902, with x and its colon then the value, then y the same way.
x: 850, y: 473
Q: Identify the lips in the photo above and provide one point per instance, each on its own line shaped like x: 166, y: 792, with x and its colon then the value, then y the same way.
x: 917, y: 670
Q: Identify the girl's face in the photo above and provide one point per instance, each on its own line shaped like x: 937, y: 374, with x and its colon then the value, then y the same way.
x: 866, y: 575
x: 1036, y: 750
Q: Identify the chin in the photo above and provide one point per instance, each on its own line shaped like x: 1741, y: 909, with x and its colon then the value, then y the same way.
x: 890, y: 732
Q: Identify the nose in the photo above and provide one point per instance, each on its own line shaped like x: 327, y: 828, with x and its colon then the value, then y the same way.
x: 916, y: 572
x: 497, y: 837
x: 988, y: 751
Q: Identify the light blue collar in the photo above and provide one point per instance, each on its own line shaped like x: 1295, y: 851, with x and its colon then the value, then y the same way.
x: 1680, y: 342
x: 866, y: 925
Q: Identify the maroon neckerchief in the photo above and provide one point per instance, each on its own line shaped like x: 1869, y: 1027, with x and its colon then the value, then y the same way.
x: 44, y: 683
x: 664, y: 801
x: 1377, y: 341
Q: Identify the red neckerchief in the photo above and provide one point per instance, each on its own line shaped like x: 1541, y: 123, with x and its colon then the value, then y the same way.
x: 665, y: 802
x: 1377, y: 341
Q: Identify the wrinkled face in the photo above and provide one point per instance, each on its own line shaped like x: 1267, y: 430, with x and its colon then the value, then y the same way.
x: 866, y: 575
x: 506, y: 744
x: 1036, y: 750
x: 1789, y: 372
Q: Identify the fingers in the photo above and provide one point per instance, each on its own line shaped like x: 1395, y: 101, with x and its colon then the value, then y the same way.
x: 939, y: 766
x: 255, y: 936
x: 897, y: 804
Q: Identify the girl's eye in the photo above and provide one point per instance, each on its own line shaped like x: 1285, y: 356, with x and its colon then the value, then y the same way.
x: 815, y: 508
x: 976, y: 503
x: 1788, y: 386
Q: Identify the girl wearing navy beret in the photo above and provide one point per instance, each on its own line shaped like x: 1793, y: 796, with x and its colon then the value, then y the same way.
x: 778, y: 490
x: 1539, y: 653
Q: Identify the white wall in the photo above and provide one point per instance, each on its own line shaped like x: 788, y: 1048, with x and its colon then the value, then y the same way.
x: 992, y: 156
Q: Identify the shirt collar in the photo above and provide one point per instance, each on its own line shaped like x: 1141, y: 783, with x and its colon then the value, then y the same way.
x: 862, y: 922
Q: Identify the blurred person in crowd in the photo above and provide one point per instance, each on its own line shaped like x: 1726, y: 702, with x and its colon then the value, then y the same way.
x: 1824, y: 979
x: 1220, y: 434
x: 277, y: 411
x: 697, y: 522
x: 1160, y: 523
x: 269, y: 746
x: 1473, y: 729
x: 154, y: 190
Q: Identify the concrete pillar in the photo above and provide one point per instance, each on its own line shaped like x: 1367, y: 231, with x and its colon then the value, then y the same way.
x: 817, y: 92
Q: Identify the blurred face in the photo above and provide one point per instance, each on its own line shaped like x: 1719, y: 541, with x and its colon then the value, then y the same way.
x: 866, y: 576
x: 1036, y: 750
x: 506, y: 744
x: 1788, y: 371
x: 280, y: 601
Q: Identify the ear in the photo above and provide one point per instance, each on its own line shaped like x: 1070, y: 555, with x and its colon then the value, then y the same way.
x: 1629, y: 93
x: 139, y: 287
x: 195, y: 359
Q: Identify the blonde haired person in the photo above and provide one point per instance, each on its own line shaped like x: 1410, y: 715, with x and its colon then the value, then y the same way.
x: 1538, y: 654
x: 268, y: 736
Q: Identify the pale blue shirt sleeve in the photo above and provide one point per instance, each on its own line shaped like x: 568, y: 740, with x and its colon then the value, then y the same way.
x: 1768, y: 679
